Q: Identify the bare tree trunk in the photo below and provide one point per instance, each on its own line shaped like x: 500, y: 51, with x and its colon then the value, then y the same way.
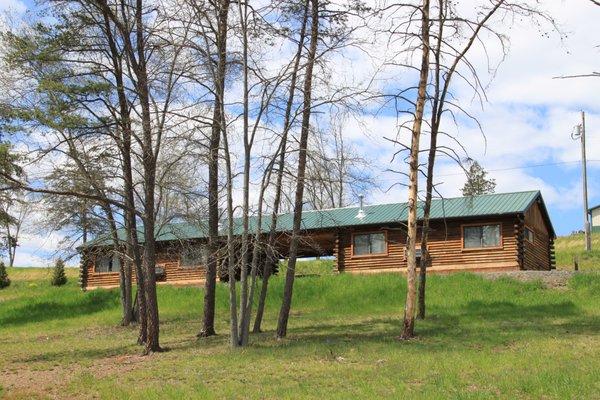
x: 409, y: 308
x: 84, y: 227
x: 132, y: 247
x: 256, y: 251
x: 234, y: 339
x: 208, y: 322
x: 13, y: 236
x: 149, y: 154
x: 425, y: 256
x: 286, y: 304
x: 124, y: 271
x: 12, y: 246
x: 271, y: 256
x: 244, y: 317
x: 441, y: 86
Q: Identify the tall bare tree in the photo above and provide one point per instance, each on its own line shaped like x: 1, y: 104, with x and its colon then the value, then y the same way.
x: 271, y: 256
x: 453, y: 38
x: 286, y: 304
x: 411, y: 259
x: 218, y: 75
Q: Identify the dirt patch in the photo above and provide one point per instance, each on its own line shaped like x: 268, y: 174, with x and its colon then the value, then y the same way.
x: 118, y: 364
x: 550, y: 279
x: 21, y: 381
x: 32, y: 380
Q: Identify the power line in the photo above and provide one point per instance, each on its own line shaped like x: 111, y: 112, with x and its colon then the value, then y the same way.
x: 525, y: 167
x: 510, y: 168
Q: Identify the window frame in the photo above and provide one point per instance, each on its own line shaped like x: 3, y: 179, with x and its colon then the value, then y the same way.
x: 481, y: 224
x: 96, y: 257
x: 527, y: 228
x: 201, y: 265
x: 385, y: 253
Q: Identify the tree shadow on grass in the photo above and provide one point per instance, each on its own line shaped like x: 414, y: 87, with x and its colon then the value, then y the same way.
x: 79, y: 354
x: 499, y: 322
x: 478, y: 323
x: 503, y: 310
x: 41, y: 311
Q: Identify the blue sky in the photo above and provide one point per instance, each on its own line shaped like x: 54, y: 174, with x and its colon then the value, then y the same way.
x: 527, y: 120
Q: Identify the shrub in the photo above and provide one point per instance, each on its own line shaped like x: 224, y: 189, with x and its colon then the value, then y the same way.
x: 4, y: 280
x: 58, y: 276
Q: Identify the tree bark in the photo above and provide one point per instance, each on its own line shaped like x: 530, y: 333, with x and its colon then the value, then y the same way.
x: 411, y: 270
x: 441, y: 87
x: 124, y: 271
x: 244, y: 300
x: 234, y: 339
x: 208, y: 321
x: 435, y: 121
x: 149, y: 154
x: 271, y: 256
x: 132, y: 249
x: 286, y: 304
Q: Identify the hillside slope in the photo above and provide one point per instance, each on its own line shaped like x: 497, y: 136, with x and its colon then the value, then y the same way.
x: 482, y: 339
x: 569, y: 247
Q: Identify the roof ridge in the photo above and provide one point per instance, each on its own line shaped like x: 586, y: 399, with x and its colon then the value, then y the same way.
x: 403, y: 202
x: 451, y: 207
x: 382, y: 204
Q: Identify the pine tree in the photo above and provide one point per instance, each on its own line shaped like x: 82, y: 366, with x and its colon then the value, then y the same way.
x: 477, y: 183
x: 4, y: 280
x: 58, y: 276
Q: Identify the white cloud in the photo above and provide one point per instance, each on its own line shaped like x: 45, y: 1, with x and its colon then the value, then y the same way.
x: 527, y: 121
x: 13, y: 6
x: 25, y: 258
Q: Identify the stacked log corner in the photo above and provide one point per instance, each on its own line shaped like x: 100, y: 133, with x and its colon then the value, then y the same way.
x: 519, y: 229
x: 552, y: 254
x: 83, y: 271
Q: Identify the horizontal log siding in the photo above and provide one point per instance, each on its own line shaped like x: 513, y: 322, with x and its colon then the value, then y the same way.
x: 537, y: 254
x: 445, y: 246
x: 168, y: 261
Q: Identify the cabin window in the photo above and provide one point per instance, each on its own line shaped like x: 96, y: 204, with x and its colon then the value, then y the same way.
x: 481, y: 236
x: 369, y: 243
x: 193, y: 257
x: 529, y: 236
x: 107, y: 263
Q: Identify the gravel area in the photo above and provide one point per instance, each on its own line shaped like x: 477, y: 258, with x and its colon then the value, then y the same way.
x: 551, y: 279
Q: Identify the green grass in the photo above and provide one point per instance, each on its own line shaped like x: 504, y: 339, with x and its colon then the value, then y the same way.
x: 312, y: 267
x: 569, y: 247
x: 482, y: 339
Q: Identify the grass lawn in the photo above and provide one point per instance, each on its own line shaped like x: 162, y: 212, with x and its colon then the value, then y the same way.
x: 568, y: 247
x: 482, y: 339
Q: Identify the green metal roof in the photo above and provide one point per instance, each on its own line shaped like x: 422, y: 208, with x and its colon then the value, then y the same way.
x: 378, y: 214
x: 593, y: 208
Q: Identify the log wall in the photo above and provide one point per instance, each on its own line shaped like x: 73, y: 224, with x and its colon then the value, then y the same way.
x: 445, y: 247
x: 166, y: 259
x: 537, y: 255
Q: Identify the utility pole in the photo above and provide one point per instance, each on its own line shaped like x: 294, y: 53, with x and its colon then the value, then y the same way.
x: 580, y: 134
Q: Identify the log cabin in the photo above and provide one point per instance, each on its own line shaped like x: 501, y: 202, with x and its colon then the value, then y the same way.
x: 495, y: 232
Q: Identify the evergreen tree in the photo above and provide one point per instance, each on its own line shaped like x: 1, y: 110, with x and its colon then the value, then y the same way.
x: 58, y: 276
x: 4, y: 280
x: 8, y: 168
x: 477, y: 183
